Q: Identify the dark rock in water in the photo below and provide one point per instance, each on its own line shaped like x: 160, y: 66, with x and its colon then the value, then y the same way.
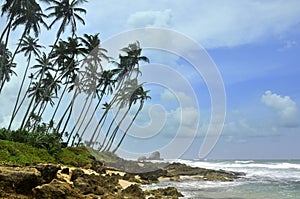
x: 153, y: 175
x: 154, y: 156
x: 133, y: 192
x: 142, y: 158
x: 169, y: 192
x: 178, y: 169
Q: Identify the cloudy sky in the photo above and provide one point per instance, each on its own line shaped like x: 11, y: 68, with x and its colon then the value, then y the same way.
x: 252, y: 51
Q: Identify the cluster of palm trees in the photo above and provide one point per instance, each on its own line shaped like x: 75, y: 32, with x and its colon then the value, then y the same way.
x: 55, y: 76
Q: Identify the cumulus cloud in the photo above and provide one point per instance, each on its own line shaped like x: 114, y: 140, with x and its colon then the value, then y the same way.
x: 285, y: 107
x: 150, y: 19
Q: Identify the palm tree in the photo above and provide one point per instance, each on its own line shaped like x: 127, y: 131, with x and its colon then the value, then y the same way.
x: 105, y: 86
x: 29, y: 46
x: 66, y: 11
x: 31, y: 16
x: 6, y: 66
x: 141, y: 95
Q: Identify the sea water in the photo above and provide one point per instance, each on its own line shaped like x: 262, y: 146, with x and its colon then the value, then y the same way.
x: 264, y: 179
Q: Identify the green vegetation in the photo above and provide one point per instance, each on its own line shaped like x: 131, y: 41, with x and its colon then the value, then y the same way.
x: 58, y: 75
x: 21, y: 154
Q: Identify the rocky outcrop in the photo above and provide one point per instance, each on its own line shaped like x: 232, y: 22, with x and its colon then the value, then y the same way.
x: 98, y: 180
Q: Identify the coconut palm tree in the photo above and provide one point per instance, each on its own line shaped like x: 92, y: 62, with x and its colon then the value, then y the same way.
x: 6, y: 66
x: 67, y: 11
x: 141, y: 95
x: 29, y: 46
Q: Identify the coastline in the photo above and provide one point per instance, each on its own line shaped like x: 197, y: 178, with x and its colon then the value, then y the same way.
x: 97, y: 179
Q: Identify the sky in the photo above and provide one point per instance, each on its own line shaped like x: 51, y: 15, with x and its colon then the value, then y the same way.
x: 245, y: 75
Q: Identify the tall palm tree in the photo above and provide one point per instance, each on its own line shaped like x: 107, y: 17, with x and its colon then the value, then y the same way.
x: 6, y: 65
x: 31, y: 16
x: 105, y: 86
x: 141, y: 95
x: 29, y: 46
x: 66, y: 10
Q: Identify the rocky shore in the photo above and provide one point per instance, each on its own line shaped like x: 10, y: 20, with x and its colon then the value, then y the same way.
x: 117, y: 179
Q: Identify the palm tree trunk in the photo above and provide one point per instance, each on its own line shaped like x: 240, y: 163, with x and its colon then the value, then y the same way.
x: 113, y: 135
x: 19, y: 93
x: 129, y: 126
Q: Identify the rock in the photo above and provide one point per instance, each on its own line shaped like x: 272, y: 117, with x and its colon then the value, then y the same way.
x: 169, y: 192
x: 56, y: 189
x: 154, y: 156
x: 141, y: 158
x: 48, y: 171
x: 178, y: 169
x: 133, y: 192
x: 76, y: 173
x: 153, y: 175
x: 19, y: 180
x: 98, y: 167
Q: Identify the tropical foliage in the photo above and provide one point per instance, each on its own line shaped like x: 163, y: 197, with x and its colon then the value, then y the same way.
x: 56, y: 77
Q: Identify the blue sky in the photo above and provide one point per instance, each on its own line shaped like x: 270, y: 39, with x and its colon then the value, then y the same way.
x: 255, y: 46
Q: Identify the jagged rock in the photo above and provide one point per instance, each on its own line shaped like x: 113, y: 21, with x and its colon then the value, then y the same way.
x: 76, y: 173
x: 56, y: 189
x: 48, y: 171
x: 133, y: 192
x: 154, y: 156
x: 178, y: 169
x: 98, y: 167
x: 19, y: 180
x: 169, y: 192
x: 153, y: 175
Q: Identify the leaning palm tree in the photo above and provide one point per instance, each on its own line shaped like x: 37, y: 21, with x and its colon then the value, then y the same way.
x: 141, y: 95
x: 30, y: 16
x: 29, y: 46
x: 6, y: 66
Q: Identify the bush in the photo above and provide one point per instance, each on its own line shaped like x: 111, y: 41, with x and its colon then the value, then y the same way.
x: 49, y: 141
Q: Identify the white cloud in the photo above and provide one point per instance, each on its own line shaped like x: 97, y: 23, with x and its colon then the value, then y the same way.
x: 285, y: 107
x: 179, y: 97
x: 150, y: 19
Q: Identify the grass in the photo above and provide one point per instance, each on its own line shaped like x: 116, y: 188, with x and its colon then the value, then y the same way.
x: 20, y: 154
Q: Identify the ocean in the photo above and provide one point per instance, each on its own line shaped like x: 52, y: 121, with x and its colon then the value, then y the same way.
x: 264, y: 179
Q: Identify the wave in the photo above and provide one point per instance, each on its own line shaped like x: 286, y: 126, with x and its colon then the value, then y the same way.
x: 255, y: 170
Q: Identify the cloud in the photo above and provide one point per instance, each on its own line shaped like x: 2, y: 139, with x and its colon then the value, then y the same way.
x: 285, y: 107
x: 287, y: 45
x: 150, y: 19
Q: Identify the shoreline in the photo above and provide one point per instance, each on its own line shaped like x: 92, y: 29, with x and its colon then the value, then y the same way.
x: 101, y: 179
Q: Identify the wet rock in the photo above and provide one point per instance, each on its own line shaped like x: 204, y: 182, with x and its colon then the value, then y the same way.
x: 153, y: 175
x: 178, y: 169
x: 169, y: 192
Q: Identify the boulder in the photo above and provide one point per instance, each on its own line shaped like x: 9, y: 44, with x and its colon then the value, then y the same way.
x: 20, y: 180
x: 56, y: 189
x: 154, y: 156
x: 142, y: 158
x: 134, y: 192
